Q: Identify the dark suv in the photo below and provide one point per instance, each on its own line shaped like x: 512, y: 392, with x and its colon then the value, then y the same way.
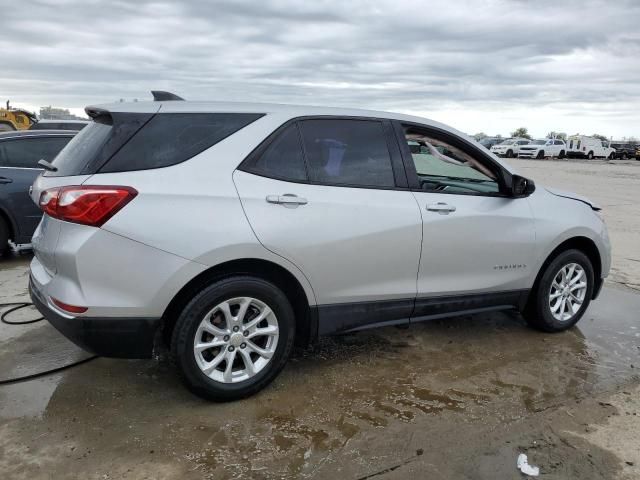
x: 59, y: 125
x: 19, y: 155
x: 624, y: 150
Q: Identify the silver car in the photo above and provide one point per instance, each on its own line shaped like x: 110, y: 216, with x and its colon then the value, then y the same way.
x: 230, y: 231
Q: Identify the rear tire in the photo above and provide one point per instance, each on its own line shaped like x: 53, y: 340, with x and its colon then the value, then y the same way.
x: 561, y: 155
x: 558, y: 301
x: 232, y: 367
x: 4, y: 237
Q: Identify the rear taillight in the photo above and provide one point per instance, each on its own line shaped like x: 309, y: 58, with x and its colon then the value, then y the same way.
x: 85, y: 204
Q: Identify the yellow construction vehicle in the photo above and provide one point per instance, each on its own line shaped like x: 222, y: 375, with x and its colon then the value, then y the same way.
x: 15, y: 118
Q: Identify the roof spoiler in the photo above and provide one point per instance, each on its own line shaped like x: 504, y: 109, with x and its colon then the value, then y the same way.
x: 95, y: 112
x: 162, y: 96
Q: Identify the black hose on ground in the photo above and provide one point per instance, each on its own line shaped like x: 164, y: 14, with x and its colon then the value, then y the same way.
x: 17, y: 306
x: 46, y: 372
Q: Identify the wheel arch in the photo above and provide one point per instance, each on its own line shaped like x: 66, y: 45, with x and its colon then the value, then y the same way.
x: 586, y: 246
x: 304, y: 311
x: 11, y: 224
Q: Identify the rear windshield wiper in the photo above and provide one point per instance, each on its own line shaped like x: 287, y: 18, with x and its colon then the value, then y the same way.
x: 47, y: 166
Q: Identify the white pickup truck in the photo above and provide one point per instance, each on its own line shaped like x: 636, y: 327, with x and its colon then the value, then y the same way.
x: 581, y: 146
x: 509, y: 148
x: 545, y: 147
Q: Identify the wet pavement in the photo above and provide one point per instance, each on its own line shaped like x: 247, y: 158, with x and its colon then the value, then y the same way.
x: 457, y: 398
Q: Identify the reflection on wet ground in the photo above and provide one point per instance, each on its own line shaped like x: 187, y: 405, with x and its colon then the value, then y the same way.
x: 341, y: 408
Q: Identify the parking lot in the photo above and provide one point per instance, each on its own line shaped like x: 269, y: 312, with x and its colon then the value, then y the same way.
x: 458, y: 398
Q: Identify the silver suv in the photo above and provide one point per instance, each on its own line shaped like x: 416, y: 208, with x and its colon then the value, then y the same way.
x: 229, y: 231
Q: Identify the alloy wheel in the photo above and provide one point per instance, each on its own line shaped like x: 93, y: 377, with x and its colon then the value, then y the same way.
x: 236, y: 339
x: 567, y: 292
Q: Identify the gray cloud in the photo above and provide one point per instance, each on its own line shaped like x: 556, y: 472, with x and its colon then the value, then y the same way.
x: 577, y: 57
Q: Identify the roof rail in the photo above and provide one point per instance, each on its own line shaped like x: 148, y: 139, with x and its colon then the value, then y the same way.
x: 162, y: 96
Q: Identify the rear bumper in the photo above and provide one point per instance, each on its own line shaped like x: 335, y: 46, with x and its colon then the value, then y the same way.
x: 107, y: 337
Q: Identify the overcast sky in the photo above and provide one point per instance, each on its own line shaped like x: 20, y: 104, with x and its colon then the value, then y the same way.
x: 492, y: 66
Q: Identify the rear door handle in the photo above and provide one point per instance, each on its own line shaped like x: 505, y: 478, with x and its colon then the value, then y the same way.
x: 288, y: 200
x: 441, y: 207
x: 4, y: 180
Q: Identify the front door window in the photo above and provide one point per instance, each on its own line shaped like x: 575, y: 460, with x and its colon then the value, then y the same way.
x: 443, y: 167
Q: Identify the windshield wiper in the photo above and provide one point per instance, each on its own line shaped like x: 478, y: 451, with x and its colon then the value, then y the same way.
x: 459, y: 179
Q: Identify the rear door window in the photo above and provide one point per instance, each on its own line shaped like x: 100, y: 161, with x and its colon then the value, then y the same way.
x: 347, y: 152
x: 26, y: 152
x: 171, y: 138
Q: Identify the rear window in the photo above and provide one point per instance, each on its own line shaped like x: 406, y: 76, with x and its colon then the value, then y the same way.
x: 84, y: 147
x: 121, y: 142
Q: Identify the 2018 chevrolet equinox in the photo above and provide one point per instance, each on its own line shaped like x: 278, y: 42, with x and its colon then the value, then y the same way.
x: 231, y: 230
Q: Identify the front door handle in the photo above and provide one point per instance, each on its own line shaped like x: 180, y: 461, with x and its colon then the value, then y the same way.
x: 5, y: 180
x: 441, y: 207
x: 288, y: 200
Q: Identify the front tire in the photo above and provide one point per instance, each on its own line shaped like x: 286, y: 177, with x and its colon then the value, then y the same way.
x: 233, y: 338
x: 509, y: 154
x: 541, y: 155
x: 562, y: 293
x: 590, y: 156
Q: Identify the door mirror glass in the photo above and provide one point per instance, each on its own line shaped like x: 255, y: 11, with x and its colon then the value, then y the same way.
x: 521, y: 186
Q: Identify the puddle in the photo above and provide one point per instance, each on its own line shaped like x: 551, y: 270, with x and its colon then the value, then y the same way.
x: 335, y: 397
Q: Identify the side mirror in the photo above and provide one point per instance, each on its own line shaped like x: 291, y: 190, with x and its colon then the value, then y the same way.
x: 521, y: 186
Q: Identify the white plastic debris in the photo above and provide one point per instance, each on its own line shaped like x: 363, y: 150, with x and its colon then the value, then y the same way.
x: 524, y: 467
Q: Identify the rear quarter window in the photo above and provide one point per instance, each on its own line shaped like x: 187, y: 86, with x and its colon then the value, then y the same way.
x: 171, y: 138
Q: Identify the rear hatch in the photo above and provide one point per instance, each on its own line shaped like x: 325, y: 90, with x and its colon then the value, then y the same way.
x: 83, y: 156
x: 117, y: 142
